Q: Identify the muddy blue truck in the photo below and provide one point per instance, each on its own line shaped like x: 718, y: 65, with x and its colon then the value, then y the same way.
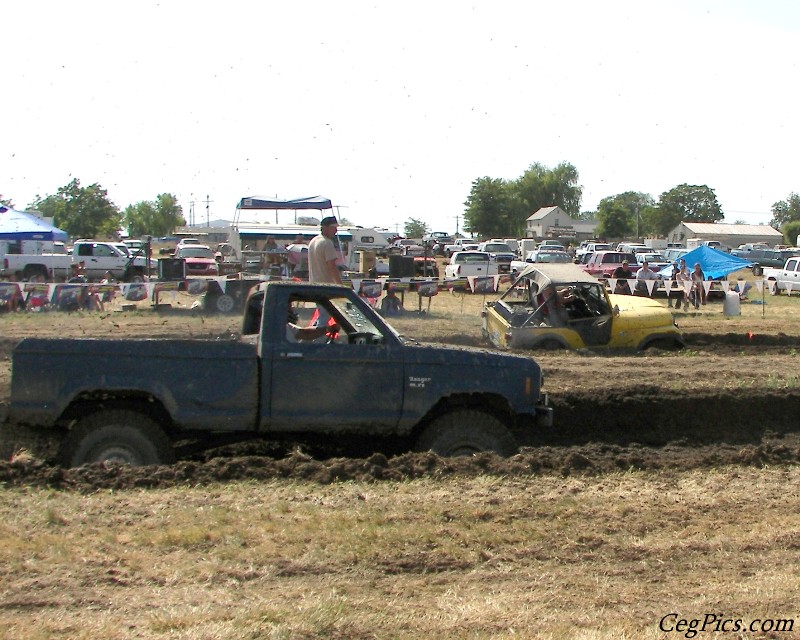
x: 150, y: 401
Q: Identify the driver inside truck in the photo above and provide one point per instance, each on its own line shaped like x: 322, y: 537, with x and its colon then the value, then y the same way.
x: 295, y: 333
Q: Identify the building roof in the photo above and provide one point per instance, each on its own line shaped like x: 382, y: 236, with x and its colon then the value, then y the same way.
x: 544, y: 212
x: 720, y: 229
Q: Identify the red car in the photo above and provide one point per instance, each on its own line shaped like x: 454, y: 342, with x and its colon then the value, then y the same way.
x: 199, y: 260
x: 603, y: 263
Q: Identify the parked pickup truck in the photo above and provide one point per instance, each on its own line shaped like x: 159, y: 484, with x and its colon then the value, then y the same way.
x: 782, y: 279
x: 501, y: 253
x: 602, y: 264
x: 470, y: 263
x: 762, y: 258
x: 148, y: 401
x: 97, y: 258
x: 460, y: 244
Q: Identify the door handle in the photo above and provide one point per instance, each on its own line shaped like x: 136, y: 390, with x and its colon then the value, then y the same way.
x: 292, y: 355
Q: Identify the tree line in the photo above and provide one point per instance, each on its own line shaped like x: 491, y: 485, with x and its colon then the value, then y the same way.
x: 500, y: 208
x: 87, y: 212
x: 495, y: 208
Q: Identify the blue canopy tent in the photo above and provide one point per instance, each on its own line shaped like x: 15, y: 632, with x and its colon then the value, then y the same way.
x: 18, y: 225
x: 715, y: 264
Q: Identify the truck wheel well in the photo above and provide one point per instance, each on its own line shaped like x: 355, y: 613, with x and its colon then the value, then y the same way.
x: 89, y: 403
x: 492, y: 404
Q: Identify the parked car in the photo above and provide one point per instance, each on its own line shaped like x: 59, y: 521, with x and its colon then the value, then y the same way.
x: 541, y: 256
x: 560, y: 306
x: 470, y: 263
x: 591, y: 247
x: 501, y: 253
x: 603, y: 263
x: 426, y: 267
x: 407, y: 247
x: 654, y: 260
x: 765, y: 258
x: 187, y: 241
x: 199, y: 260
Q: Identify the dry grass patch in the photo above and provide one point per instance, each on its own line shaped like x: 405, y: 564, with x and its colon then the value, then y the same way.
x: 544, y: 557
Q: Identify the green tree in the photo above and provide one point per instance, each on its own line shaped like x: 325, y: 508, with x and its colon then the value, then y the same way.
x: 156, y: 218
x: 541, y: 187
x: 684, y: 203
x: 489, y: 208
x: 615, y: 220
x: 7, y: 202
x: 497, y: 208
x: 790, y: 231
x: 694, y: 203
x: 785, y: 211
x: 415, y: 228
x: 612, y: 216
x: 83, y: 212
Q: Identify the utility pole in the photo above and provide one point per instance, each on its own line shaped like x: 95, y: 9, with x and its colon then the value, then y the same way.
x: 457, y: 219
x: 208, y: 211
x: 191, y: 213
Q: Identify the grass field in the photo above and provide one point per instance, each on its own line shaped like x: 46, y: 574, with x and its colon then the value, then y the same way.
x: 590, y: 556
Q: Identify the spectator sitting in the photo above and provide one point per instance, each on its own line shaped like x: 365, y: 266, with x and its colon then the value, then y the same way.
x: 10, y: 296
x: 742, y: 287
x: 622, y: 274
x: 108, y: 292
x: 391, y: 304
x: 77, y: 272
x: 642, y: 276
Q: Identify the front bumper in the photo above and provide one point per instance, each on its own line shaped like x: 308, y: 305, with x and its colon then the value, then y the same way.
x: 544, y: 412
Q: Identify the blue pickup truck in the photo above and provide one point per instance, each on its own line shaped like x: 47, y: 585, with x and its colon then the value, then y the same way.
x: 147, y: 401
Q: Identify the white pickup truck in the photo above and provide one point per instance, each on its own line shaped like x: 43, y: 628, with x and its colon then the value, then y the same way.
x: 97, y: 258
x: 779, y: 279
x: 470, y: 263
x: 460, y: 244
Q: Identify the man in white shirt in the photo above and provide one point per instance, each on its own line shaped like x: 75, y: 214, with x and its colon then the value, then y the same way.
x: 322, y: 254
x: 643, y: 274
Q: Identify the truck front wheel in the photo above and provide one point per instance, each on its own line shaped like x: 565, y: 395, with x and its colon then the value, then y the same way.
x: 116, y: 435
x: 466, y: 432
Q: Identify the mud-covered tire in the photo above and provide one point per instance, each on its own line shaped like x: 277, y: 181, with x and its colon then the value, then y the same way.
x: 116, y: 435
x: 666, y: 344
x: 550, y: 344
x: 758, y: 270
x: 466, y: 432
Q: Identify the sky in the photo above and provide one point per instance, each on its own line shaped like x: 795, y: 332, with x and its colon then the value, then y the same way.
x: 393, y: 109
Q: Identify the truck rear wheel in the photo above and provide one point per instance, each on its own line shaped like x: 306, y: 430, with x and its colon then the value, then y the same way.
x: 116, y: 435
x: 466, y: 432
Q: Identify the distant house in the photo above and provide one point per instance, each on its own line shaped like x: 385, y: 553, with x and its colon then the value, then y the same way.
x: 555, y: 223
x: 730, y: 235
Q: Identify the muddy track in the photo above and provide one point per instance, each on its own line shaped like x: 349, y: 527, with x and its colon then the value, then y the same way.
x: 613, y: 412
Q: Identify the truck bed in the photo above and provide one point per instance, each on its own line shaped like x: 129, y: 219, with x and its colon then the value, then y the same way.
x: 205, y: 385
